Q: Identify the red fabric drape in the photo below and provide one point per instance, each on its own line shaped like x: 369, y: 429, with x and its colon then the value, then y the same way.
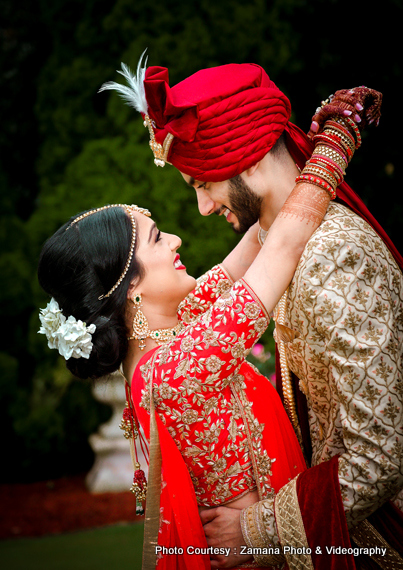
x: 278, y: 434
x: 180, y: 524
x: 325, y: 524
x: 182, y: 527
x: 322, y: 512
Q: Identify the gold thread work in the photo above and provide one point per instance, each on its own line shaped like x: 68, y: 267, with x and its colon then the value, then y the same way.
x: 290, y: 526
x: 366, y: 536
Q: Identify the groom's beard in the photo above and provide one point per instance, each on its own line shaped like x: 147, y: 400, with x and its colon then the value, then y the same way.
x: 244, y: 203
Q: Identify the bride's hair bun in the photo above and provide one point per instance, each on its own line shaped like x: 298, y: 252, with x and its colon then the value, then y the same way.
x: 77, y: 265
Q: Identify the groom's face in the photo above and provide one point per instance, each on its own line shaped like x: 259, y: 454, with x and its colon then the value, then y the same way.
x: 232, y: 198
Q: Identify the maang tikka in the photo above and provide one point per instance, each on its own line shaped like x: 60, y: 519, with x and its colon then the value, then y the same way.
x: 141, y: 330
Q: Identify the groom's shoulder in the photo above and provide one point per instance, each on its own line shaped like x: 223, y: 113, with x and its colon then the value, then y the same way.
x: 343, y: 228
x: 344, y: 242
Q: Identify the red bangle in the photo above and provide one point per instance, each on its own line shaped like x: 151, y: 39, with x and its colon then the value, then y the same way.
x: 356, y: 130
x: 331, y: 166
x: 336, y: 142
x: 318, y: 182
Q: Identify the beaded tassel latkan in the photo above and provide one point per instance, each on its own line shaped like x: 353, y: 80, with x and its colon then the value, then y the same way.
x: 131, y: 432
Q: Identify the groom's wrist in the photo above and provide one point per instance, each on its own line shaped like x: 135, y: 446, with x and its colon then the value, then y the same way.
x: 260, y: 535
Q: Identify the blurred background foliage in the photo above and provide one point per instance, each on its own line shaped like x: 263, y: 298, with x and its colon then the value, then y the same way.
x: 65, y: 148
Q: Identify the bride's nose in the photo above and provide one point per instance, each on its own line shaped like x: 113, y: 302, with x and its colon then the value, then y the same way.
x: 175, y: 242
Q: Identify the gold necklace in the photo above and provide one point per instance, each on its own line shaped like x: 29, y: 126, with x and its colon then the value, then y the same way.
x: 160, y: 336
x: 141, y: 330
x: 165, y: 335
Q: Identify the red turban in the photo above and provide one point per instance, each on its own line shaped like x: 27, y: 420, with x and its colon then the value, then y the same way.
x: 224, y: 119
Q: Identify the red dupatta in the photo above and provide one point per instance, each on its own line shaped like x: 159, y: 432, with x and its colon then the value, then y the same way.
x: 172, y: 518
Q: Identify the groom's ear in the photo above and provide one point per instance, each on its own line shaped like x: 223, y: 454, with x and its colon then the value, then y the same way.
x: 252, y: 169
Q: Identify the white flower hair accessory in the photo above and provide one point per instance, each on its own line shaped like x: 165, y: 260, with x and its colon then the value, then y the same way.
x: 70, y: 337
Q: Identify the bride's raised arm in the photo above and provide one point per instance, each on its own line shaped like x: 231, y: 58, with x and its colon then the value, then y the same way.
x: 273, y: 268
x: 244, y: 253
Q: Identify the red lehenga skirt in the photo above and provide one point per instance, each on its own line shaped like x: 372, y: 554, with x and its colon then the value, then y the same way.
x: 174, y: 536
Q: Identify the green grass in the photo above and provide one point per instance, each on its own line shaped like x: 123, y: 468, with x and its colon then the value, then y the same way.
x: 106, y: 548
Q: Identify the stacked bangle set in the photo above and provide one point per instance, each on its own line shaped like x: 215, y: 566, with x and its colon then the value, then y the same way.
x: 334, y: 148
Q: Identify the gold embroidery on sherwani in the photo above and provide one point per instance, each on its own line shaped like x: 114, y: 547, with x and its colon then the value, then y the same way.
x: 366, y: 536
x: 346, y: 301
x: 290, y: 526
x: 255, y: 535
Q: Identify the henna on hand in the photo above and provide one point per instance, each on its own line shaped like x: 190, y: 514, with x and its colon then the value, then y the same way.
x: 308, y: 202
x: 361, y: 104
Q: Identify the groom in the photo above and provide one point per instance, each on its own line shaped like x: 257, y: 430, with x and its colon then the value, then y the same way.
x: 339, y: 326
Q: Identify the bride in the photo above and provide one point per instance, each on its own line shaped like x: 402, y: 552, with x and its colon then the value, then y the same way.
x: 121, y: 294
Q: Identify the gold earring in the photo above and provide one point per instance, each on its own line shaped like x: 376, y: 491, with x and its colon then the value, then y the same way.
x: 141, y: 329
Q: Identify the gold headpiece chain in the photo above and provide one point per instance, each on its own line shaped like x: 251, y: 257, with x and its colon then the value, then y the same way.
x: 129, y: 209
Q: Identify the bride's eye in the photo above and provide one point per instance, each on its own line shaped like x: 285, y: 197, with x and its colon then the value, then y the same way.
x: 158, y: 236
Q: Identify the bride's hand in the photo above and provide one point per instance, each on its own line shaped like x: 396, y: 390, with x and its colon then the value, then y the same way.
x: 361, y: 104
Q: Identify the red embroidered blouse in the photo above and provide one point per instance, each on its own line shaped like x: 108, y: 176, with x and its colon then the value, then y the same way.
x: 224, y: 416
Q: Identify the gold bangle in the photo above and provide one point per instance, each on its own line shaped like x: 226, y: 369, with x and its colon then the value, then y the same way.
x: 324, y: 159
x: 331, y: 153
x: 322, y: 173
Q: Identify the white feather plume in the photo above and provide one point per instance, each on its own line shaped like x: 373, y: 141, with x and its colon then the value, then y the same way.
x: 134, y: 95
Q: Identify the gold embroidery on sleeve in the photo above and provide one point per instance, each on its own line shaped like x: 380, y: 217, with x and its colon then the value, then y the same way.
x: 255, y: 536
x: 366, y: 536
x: 290, y: 526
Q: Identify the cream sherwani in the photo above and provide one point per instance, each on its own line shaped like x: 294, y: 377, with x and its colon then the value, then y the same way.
x: 345, y: 308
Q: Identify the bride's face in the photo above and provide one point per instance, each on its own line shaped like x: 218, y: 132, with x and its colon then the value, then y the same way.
x: 166, y: 280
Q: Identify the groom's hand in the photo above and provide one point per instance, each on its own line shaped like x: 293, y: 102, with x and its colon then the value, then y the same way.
x: 222, y: 527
